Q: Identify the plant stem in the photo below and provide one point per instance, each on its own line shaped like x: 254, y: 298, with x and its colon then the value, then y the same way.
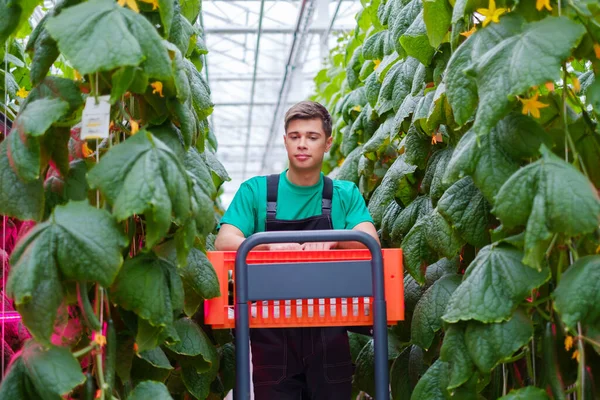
x: 552, y: 243
x: 84, y: 351
x: 543, y: 314
x: 581, y: 369
x: 515, y: 358
x: 531, y: 360
x: 504, y: 380
x: 590, y: 341
x: 100, y: 372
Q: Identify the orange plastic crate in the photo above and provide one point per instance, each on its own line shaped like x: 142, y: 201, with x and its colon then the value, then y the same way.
x: 218, y: 312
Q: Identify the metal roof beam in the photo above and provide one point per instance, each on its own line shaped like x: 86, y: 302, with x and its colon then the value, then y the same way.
x: 254, y: 74
x: 242, y: 30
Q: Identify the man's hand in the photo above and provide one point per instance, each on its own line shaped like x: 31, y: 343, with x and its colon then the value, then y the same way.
x: 319, y: 245
x: 284, y: 246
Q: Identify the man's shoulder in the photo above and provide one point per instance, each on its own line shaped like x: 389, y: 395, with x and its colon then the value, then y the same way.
x: 346, y: 186
x: 256, y: 182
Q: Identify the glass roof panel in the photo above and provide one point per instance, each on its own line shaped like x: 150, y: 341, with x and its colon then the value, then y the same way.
x: 245, y: 124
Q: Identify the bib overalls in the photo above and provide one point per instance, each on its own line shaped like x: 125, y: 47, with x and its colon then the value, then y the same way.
x: 301, y: 363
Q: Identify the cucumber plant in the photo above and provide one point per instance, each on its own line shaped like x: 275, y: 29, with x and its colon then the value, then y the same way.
x: 110, y: 271
x: 471, y: 129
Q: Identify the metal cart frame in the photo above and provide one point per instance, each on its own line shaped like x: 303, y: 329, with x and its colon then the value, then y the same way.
x: 309, y: 280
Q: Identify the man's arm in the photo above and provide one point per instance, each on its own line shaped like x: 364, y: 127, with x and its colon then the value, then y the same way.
x: 366, y: 227
x: 230, y: 238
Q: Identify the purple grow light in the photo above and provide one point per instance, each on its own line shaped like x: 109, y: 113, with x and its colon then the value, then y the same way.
x: 9, y: 316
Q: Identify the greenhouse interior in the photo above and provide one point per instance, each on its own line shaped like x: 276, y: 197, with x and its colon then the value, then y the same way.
x: 300, y: 199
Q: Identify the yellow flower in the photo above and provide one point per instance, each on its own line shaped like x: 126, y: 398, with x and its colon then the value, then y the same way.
x: 597, y: 50
x: 153, y: 2
x: 158, y: 87
x: 85, y: 150
x: 130, y: 3
x: 377, y: 62
x: 135, y: 127
x: 576, y: 84
x: 532, y: 106
x: 22, y: 93
x: 100, y: 340
x: 491, y: 14
x: 469, y: 32
x: 598, y: 249
x: 568, y: 342
x: 77, y: 75
x: 576, y: 355
x: 539, y: 4
x: 550, y: 86
x: 357, y: 108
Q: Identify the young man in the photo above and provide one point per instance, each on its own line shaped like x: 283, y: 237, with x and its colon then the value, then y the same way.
x: 306, y: 363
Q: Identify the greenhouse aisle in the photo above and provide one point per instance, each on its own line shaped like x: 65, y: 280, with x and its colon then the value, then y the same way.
x: 466, y: 130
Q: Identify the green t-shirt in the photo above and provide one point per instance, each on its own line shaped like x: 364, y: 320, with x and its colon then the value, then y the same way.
x: 248, y: 210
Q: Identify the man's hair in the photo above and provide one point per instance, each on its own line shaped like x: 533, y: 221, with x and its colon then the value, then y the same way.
x: 309, y: 110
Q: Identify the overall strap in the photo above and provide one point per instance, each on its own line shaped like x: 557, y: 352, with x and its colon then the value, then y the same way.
x: 272, y: 187
x: 327, y: 196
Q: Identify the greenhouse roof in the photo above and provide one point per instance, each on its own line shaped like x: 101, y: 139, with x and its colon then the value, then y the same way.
x: 262, y: 58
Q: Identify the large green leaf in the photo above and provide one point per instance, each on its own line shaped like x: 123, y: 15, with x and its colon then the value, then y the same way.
x: 44, y: 49
x: 200, y: 275
x: 109, y: 36
x: 498, y: 267
x: 432, y: 181
x: 53, y: 87
x: 493, y: 158
x: 349, y: 169
x: 461, y: 86
x: 526, y: 393
x: 417, y: 209
x: 23, y: 143
x: 54, y: 371
x: 373, y: 46
x: 454, y: 351
x: 194, y: 342
x: 16, y: 385
x: 464, y: 206
x: 86, y: 244
x: 577, y: 295
x: 417, y: 147
x: 433, y: 385
x: 503, y: 72
x: 437, y: 15
x: 78, y: 242
x: 404, y: 14
x: 427, y: 318
x: 156, y: 357
x: 10, y: 14
x: 441, y: 237
x: 415, y: 41
x: 200, y: 91
x: 150, y: 390
x: 397, y: 178
x: 396, y: 85
x: 548, y: 196
x: 201, y: 174
x: 143, y: 176
x: 490, y: 344
x: 150, y: 287
x: 400, y: 381
x: 417, y: 253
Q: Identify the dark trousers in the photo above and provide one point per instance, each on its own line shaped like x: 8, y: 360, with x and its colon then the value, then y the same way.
x: 301, y: 364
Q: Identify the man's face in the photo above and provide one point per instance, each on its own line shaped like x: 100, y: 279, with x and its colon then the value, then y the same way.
x: 306, y: 144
